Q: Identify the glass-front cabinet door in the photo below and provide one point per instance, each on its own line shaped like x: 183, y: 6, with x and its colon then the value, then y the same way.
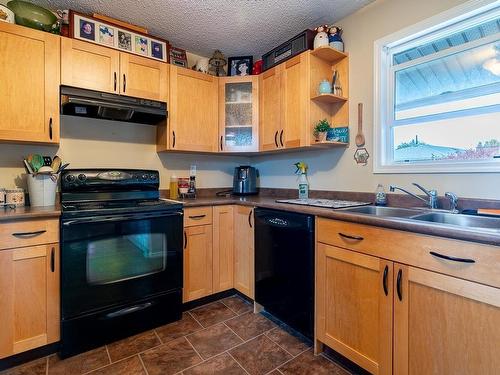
x: 238, y: 114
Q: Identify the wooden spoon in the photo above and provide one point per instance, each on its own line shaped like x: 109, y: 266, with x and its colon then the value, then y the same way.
x: 360, y: 138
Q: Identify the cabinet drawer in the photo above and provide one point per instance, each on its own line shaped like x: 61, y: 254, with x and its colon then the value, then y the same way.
x: 21, y: 233
x: 197, y: 216
x: 417, y: 250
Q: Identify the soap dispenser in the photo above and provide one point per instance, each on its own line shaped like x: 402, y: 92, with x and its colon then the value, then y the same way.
x: 380, y: 196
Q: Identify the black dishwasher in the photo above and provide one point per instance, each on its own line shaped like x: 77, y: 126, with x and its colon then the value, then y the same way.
x: 284, y: 267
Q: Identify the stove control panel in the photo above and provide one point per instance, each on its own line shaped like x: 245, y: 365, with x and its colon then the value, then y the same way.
x: 85, y: 179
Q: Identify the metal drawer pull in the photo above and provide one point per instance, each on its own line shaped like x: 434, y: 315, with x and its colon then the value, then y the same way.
x: 128, y: 310
x: 399, y: 286
x: 197, y: 217
x: 281, y: 138
x: 124, y: 83
x: 250, y: 218
x: 349, y: 237
x: 384, y: 280
x: 454, y: 259
x: 276, y: 138
x: 185, y: 240
x: 114, y: 86
x: 173, y: 141
x: 50, y: 128
x: 29, y: 234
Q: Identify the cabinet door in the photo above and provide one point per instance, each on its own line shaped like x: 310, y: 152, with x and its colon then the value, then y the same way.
x: 354, y: 306
x: 270, y: 109
x: 89, y: 66
x: 444, y: 325
x: 238, y: 114
x: 29, y: 85
x: 143, y: 78
x: 244, y: 274
x: 223, y: 248
x: 197, y: 262
x: 193, y: 110
x: 295, y: 100
x: 29, y: 280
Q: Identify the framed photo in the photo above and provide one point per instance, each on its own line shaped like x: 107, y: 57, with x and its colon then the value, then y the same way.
x: 177, y: 56
x: 240, y: 66
x: 109, y: 35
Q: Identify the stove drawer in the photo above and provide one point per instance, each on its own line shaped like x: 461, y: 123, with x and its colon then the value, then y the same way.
x: 197, y: 216
x: 20, y: 233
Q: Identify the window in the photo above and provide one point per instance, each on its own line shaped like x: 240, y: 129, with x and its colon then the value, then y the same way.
x: 437, y: 94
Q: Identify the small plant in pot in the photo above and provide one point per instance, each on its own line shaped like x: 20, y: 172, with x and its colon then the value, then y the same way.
x: 321, y: 130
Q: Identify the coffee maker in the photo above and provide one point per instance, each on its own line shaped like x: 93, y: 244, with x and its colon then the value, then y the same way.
x: 245, y: 180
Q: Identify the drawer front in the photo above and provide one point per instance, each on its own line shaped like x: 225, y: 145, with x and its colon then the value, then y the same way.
x: 470, y: 261
x: 197, y: 216
x: 21, y: 233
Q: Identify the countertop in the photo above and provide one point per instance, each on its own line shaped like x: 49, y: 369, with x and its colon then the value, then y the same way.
x: 28, y: 212
x: 459, y: 233
x: 414, y: 226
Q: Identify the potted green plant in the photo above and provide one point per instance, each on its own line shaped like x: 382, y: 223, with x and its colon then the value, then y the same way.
x: 321, y: 130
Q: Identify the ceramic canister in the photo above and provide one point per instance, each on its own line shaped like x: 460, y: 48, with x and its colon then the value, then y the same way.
x: 14, y: 197
x: 2, y: 196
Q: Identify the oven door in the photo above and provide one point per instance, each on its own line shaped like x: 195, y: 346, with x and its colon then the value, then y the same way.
x: 113, y: 260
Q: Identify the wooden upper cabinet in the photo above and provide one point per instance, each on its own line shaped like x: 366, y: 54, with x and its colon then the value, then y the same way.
x: 444, y: 325
x: 89, y: 66
x: 193, y: 111
x: 29, y: 279
x: 354, y: 306
x: 143, y: 78
x: 223, y: 248
x: 239, y: 114
x: 197, y: 262
x: 244, y: 275
x: 295, y: 127
x: 29, y: 85
x: 270, y: 108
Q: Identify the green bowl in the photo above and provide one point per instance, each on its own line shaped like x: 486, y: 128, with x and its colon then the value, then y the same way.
x: 31, y: 15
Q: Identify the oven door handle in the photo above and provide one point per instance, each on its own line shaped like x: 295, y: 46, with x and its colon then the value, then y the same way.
x: 107, y: 219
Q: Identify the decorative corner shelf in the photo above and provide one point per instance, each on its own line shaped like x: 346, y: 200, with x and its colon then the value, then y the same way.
x: 328, y: 53
x: 328, y: 144
x: 329, y: 98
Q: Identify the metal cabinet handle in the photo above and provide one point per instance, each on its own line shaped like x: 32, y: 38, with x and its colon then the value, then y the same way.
x: 52, y: 260
x: 281, y: 138
x: 454, y: 259
x: 114, y: 86
x: 399, y: 286
x: 221, y: 137
x: 250, y: 218
x: 173, y: 141
x: 124, y: 83
x: 28, y: 234
x: 384, y: 280
x: 349, y: 237
x: 276, y: 139
x: 50, y: 128
x: 197, y: 217
x: 185, y: 240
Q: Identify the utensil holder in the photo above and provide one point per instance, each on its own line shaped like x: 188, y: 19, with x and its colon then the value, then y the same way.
x: 42, y: 190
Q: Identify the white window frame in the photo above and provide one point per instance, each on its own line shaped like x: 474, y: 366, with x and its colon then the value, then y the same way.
x: 442, y: 24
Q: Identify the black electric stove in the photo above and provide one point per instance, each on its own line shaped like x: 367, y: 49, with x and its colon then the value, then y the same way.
x: 121, y: 256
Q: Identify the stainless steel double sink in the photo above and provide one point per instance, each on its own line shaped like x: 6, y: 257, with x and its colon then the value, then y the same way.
x: 430, y: 216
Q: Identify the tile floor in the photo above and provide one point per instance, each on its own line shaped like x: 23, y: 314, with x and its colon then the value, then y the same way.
x: 223, y: 337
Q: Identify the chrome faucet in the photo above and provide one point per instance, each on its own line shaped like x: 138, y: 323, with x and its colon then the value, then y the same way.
x: 453, y: 202
x: 432, y: 202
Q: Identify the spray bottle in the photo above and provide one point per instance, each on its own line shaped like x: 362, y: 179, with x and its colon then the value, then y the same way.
x: 303, y: 182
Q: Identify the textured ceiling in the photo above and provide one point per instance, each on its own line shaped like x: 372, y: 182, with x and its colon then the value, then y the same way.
x: 237, y: 27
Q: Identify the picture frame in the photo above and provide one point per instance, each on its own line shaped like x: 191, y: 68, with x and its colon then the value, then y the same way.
x: 94, y: 30
x: 240, y: 66
x: 177, y: 56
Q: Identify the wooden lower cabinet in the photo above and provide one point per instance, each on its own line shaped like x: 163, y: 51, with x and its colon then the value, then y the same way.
x: 223, y: 247
x: 29, y: 295
x: 197, y: 262
x: 244, y: 278
x: 354, y: 306
x: 444, y: 325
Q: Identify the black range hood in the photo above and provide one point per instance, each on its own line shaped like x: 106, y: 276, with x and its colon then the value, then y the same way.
x: 101, y: 105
